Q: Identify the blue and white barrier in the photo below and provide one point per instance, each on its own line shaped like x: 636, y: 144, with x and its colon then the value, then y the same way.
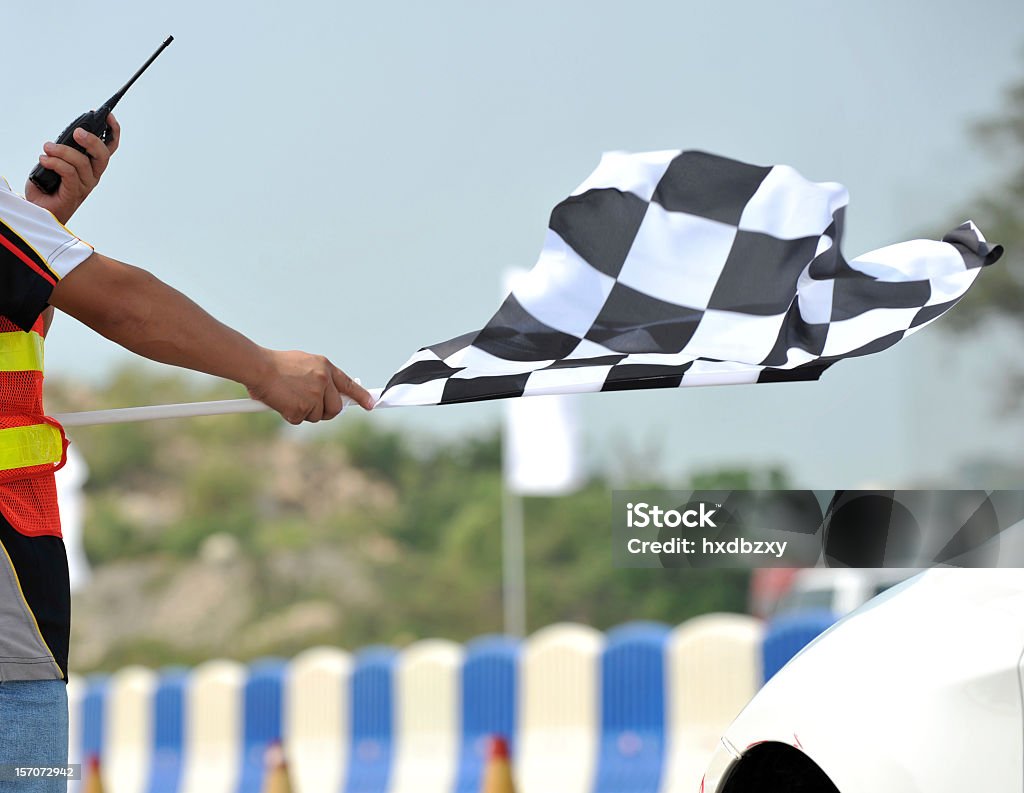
x: 638, y: 709
x: 167, y: 761
x: 262, y: 700
x: 490, y: 689
x: 128, y: 729
x: 632, y: 748
x: 427, y: 734
x: 714, y: 669
x: 213, y: 728
x: 372, y: 737
x: 560, y: 710
x: 318, y: 703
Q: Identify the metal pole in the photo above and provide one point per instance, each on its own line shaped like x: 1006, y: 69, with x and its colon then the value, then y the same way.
x: 513, y: 563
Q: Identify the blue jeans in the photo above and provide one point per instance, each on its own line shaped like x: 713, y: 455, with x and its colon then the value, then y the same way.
x: 34, y: 732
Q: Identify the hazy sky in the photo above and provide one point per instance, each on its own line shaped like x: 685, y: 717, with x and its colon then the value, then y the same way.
x: 352, y: 179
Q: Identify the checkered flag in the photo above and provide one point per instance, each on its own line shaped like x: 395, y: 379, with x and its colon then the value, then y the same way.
x: 668, y: 269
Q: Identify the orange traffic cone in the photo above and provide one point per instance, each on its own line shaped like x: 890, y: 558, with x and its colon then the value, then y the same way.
x: 93, y: 777
x: 498, y: 772
x: 276, y: 779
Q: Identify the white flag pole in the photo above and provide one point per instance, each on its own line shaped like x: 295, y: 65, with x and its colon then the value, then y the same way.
x: 154, y: 412
x: 176, y: 411
x: 513, y: 545
x: 513, y: 563
x: 540, y: 457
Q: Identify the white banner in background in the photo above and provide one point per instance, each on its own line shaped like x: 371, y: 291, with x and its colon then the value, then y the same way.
x: 542, y: 454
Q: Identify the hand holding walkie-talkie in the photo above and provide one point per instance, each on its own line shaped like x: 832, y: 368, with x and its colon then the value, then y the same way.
x: 94, y: 121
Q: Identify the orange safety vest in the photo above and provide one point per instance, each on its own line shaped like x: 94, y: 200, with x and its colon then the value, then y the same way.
x: 32, y: 445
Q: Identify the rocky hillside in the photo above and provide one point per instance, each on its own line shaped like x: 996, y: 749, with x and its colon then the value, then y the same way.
x: 240, y: 536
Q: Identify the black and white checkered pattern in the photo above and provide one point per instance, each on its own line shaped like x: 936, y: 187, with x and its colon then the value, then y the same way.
x: 668, y: 269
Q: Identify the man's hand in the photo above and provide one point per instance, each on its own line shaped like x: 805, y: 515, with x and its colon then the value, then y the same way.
x: 79, y: 173
x: 303, y: 387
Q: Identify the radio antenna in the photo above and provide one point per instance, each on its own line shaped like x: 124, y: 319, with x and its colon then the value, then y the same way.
x: 110, y: 103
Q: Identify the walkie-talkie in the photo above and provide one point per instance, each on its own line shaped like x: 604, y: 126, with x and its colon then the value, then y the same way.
x: 94, y: 121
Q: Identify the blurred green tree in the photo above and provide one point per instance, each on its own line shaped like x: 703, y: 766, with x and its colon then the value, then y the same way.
x: 999, y: 212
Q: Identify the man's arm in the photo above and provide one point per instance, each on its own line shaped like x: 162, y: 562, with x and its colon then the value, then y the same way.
x: 141, y: 313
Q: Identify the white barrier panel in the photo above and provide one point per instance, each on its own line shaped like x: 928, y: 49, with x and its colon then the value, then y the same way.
x: 128, y: 742
x: 427, y: 717
x: 213, y: 728
x: 713, y: 670
x: 316, y: 719
x: 559, y: 723
x: 76, y: 689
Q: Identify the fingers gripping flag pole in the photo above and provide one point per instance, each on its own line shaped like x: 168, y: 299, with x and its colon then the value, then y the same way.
x: 683, y: 268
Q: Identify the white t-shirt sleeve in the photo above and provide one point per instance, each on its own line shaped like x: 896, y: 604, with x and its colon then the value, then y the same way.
x: 32, y: 229
x: 36, y: 251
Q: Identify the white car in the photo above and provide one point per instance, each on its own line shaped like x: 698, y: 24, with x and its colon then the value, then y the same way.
x: 918, y: 691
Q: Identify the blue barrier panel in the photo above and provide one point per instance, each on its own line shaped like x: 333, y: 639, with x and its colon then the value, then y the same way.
x: 632, y: 746
x: 263, y: 703
x: 372, y: 721
x: 489, y: 692
x: 168, y: 732
x: 787, y: 635
x: 94, y: 704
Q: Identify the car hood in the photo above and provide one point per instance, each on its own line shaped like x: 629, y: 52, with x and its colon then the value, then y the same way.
x: 918, y: 690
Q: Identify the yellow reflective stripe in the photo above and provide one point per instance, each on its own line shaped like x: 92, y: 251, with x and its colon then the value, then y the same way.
x: 36, y: 444
x: 21, y: 352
